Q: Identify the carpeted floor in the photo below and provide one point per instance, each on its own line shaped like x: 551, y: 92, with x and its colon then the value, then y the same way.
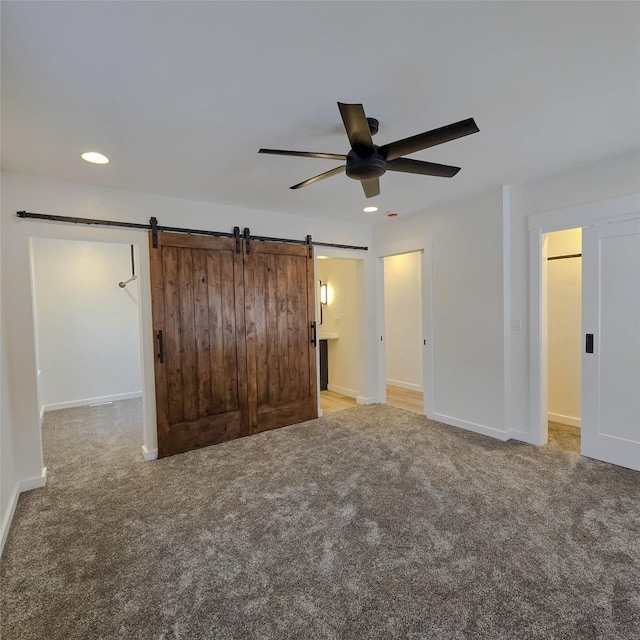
x: 369, y: 523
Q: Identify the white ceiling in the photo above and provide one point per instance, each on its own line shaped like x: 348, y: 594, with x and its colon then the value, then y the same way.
x: 181, y: 95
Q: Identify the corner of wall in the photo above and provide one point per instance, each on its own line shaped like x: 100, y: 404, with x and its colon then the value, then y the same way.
x: 7, y: 517
x: 149, y: 454
x: 20, y: 487
x: 506, y: 302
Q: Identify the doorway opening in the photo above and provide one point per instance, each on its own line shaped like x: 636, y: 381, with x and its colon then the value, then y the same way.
x: 341, y: 332
x: 86, y: 302
x: 404, y: 334
x: 563, y: 278
x: 610, y: 340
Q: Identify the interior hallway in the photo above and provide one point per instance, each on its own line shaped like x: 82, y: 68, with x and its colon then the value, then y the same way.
x: 330, y: 401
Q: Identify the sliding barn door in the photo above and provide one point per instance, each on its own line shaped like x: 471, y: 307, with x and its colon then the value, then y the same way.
x: 280, y: 328
x: 198, y: 318
x: 235, y: 335
x: 611, y: 357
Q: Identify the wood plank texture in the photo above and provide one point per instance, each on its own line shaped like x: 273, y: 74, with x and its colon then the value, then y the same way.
x: 201, y: 325
x: 215, y: 329
x: 282, y: 322
x: 188, y: 356
x: 241, y: 344
x: 172, y: 333
x: 405, y: 399
x: 194, y: 282
x: 236, y: 325
x: 330, y: 402
x: 229, y: 360
x: 279, y: 279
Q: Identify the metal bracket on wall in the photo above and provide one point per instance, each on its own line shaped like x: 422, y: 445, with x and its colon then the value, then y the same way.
x: 236, y: 235
x: 154, y: 232
x: 309, y: 243
x: 247, y: 240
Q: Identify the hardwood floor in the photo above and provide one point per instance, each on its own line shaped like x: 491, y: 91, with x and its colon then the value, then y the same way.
x: 330, y: 401
x: 405, y: 399
x: 565, y: 436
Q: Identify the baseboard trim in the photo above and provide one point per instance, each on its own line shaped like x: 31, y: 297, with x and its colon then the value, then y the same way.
x: 404, y: 385
x: 523, y: 436
x: 149, y: 454
x: 87, y: 401
x: 21, y: 486
x: 343, y: 390
x: 8, y: 516
x: 470, y: 426
x: 572, y: 422
x: 33, y: 483
x: 363, y: 400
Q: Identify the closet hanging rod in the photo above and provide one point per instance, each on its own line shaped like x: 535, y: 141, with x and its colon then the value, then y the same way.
x: 157, y: 227
x: 569, y: 255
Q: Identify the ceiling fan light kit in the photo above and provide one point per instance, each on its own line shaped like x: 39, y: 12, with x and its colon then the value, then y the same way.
x: 366, y: 162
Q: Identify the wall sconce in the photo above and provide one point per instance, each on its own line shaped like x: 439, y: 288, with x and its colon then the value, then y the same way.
x: 323, y: 293
x: 323, y: 297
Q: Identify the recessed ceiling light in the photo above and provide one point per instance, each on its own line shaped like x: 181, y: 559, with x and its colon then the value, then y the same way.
x: 95, y: 157
x: 370, y: 209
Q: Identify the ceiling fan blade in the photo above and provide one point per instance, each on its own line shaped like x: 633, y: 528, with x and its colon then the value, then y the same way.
x: 428, y: 139
x: 407, y: 165
x: 355, y: 122
x: 322, y: 176
x: 371, y: 187
x: 305, y: 154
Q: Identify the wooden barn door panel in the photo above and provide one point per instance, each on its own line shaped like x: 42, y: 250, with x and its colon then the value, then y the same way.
x: 281, y: 358
x: 198, y: 306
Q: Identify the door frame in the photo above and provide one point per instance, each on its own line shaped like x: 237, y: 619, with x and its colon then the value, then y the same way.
x: 365, y: 396
x: 584, y: 215
x: 141, y: 256
x: 425, y: 248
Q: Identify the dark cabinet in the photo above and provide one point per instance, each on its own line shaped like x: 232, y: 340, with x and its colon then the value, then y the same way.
x: 324, y: 365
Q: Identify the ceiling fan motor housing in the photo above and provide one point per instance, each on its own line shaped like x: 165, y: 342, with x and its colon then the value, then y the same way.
x: 365, y: 167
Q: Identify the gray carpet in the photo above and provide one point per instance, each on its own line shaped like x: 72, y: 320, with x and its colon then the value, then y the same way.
x: 369, y: 523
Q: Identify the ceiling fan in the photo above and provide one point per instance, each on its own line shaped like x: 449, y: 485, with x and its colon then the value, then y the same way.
x: 366, y: 161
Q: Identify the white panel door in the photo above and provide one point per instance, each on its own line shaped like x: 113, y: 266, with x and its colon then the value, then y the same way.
x: 611, y: 313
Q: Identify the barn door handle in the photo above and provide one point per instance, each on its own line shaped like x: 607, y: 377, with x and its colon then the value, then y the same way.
x: 160, y: 346
x: 589, y: 343
x: 314, y: 340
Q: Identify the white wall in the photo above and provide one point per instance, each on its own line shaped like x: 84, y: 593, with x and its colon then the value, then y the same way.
x: 40, y: 195
x: 88, y: 333
x: 466, y: 337
x: 479, y: 334
x: 564, y: 317
x: 7, y: 471
x: 403, y: 320
x: 340, y: 316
